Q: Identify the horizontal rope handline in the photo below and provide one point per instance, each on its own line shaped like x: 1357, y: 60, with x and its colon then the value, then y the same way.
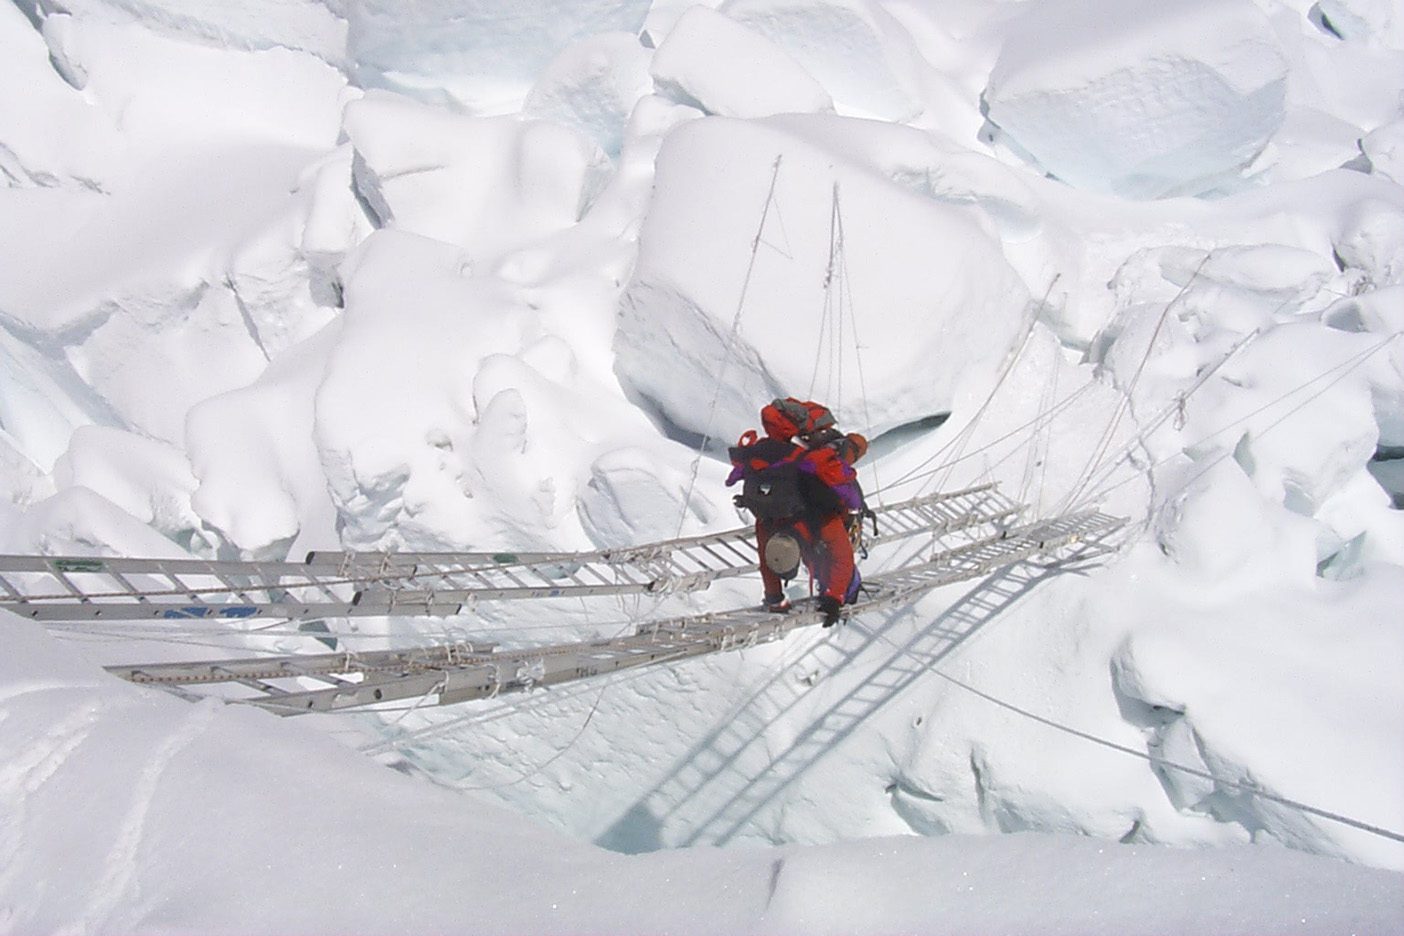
x: 1162, y: 762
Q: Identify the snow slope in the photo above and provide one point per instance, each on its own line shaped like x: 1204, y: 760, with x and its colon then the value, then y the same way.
x: 491, y: 275
x: 219, y: 819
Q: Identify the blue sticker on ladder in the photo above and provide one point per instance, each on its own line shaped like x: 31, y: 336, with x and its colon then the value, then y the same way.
x: 204, y: 611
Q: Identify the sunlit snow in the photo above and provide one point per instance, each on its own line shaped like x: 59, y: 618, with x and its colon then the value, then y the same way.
x: 490, y: 274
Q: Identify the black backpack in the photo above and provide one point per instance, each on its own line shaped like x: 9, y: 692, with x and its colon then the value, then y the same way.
x: 772, y: 485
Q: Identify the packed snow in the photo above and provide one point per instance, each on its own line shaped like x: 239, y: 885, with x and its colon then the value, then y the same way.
x: 480, y: 274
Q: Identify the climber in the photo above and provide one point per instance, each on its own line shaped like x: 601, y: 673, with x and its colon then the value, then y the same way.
x: 799, y: 483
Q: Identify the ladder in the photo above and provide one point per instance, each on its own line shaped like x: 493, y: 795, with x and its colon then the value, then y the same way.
x: 333, y: 682
x: 345, y: 584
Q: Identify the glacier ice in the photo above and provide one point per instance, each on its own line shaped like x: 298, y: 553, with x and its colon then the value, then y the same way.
x: 1142, y: 99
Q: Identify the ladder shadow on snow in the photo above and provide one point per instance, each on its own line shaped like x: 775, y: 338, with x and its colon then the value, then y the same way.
x: 709, y: 773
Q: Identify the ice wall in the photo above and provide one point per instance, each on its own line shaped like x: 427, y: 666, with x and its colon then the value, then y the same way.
x: 1141, y: 99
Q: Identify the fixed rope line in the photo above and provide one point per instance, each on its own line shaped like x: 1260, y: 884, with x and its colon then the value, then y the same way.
x: 846, y: 289
x: 827, y: 312
x: 962, y: 438
x: 508, y: 706
x: 1158, y: 761
x: 918, y: 474
x: 1047, y: 436
x: 1125, y: 402
x: 730, y: 345
x: 1349, y: 365
x: 840, y: 308
x: 1174, y: 409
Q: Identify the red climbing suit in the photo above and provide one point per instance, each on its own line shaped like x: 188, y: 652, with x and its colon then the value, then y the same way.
x: 829, y: 491
x: 828, y: 553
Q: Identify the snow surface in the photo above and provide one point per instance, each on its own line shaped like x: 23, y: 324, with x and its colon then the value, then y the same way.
x: 764, y: 82
x: 474, y: 275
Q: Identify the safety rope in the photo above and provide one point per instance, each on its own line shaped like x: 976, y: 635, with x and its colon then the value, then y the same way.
x: 1346, y: 368
x: 1250, y: 788
x: 846, y: 291
x: 730, y: 345
x: 963, y: 437
x: 1099, y: 450
x: 1154, y: 759
x: 1175, y: 409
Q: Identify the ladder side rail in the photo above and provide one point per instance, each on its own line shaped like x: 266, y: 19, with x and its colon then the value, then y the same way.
x: 346, y: 696
x: 308, y: 665
x: 521, y: 670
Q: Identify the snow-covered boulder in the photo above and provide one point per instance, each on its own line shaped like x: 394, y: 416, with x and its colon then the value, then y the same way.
x: 261, y: 482
x: 592, y: 86
x: 1143, y: 98
x: 856, y: 49
x: 763, y: 80
x: 485, y: 184
x: 148, y: 479
x: 456, y: 420
x: 923, y: 286
x: 153, y: 353
x: 481, y: 54
x: 1332, y: 433
x: 1370, y: 240
x: 1250, y: 692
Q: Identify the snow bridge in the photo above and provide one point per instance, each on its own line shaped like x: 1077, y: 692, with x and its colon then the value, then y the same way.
x: 960, y: 535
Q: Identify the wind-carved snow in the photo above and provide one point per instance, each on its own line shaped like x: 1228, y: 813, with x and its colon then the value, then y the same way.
x: 592, y: 86
x: 770, y: 83
x: 488, y: 184
x: 1192, y: 92
x: 303, y: 25
x: 502, y: 450
x: 49, y: 136
x: 260, y: 479
x: 146, y: 478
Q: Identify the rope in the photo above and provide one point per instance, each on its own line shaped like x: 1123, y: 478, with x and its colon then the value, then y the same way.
x: 731, y: 344
x: 1154, y: 759
x: 1045, y: 400
x: 1125, y: 402
x: 917, y: 474
x: 1350, y: 364
x: 1158, y: 761
x: 553, y: 758
x: 827, y: 313
x: 1175, y: 409
x: 963, y: 437
x: 1048, y: 439
x: 846, y: 290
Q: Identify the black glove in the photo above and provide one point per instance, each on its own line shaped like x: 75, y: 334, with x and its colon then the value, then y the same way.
x: 830, y: 606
